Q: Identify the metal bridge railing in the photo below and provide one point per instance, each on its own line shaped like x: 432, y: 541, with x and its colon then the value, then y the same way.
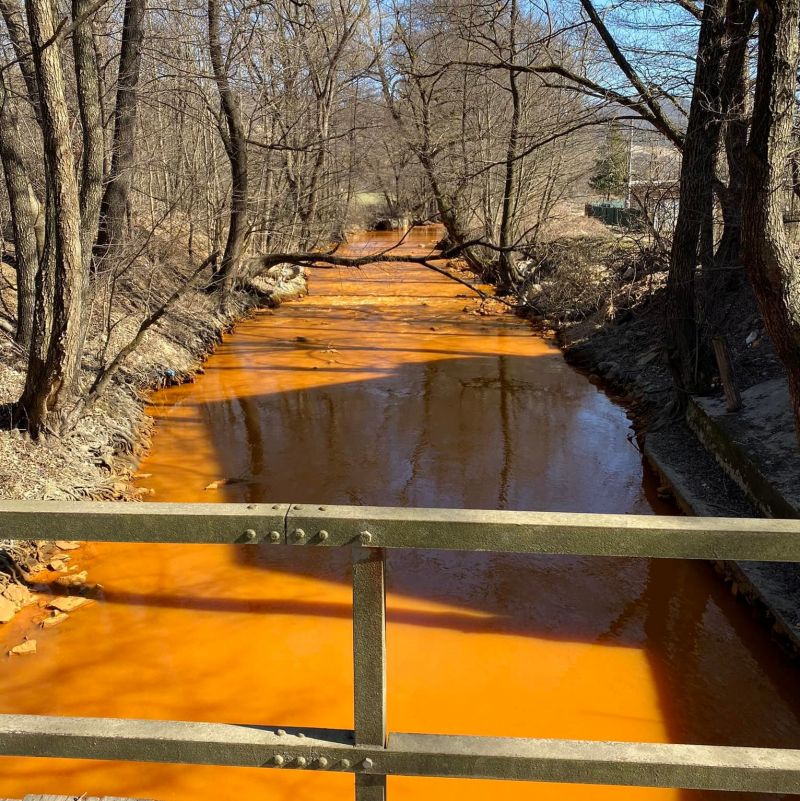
x: 369, y: 751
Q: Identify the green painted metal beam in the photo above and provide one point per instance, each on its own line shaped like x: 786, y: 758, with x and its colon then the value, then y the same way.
x: 546, y: 532
x: 206, y: 523
x: 756, y: 770
x: 389, y: 527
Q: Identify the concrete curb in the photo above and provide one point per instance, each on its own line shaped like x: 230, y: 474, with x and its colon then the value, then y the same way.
x: 771, y: 588
x: 738, y: 463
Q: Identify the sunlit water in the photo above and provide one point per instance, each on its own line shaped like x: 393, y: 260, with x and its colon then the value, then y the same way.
x: 378, y: 388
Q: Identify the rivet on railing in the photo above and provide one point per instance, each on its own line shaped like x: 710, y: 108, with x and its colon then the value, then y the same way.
x: 281, y: 732
x: 368, y: 764
x: 250, y: 535
x: 323, y: 762
x: 275, y: 506
x: 301, y: 761
x: 275, y: 536
x: 278, y: 760
x: 323, y: 508
x: 366, y: 538
x: 299, y: 535
x: 297, y: 507
x: 300, y: 734
x: 345, y: 763
x: 323, y: 535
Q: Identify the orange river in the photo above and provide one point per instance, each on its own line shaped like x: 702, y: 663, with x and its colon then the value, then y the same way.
x: 379, y: 388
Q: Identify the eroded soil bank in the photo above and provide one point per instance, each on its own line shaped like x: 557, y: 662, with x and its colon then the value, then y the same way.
x: 97, y: 459
x: 387, y: 386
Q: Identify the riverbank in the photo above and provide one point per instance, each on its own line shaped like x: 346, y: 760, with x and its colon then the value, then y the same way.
x: 618, y: 337
x: 99, y: 458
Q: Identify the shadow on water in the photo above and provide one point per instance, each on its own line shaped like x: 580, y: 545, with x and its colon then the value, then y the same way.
x: 502, y: 440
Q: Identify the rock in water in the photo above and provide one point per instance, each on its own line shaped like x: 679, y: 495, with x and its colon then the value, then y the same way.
x: 27, y: 647
x: 74, y: 580
x: 68, y: 603
x: 17, y: 594
x: 7, y: 610
x: 54, y: 620
x: 224, y: 482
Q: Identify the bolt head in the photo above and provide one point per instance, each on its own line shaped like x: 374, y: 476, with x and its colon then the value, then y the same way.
x: 366, y: 538
x: 278, y: 760
x: 323, y: 535
x: 274, y: 536
x: 301, y: 761
x: 281, y: 732
x: 323, y: 762
x: 299, y: 535
x: 368, y: 764
x: 345, y: 763
x: 250, y: 535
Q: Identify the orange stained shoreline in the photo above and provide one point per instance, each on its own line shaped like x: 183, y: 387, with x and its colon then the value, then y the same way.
x: 378, y: 388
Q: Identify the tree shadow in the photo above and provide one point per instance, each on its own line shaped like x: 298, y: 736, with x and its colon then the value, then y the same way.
x: 490, y: 431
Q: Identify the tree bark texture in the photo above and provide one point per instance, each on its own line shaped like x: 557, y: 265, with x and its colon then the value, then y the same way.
x: 234, y: 139
x: 769, y: 256
x: 56, y: 349
x: 689, y: 357
x: 116, y: 198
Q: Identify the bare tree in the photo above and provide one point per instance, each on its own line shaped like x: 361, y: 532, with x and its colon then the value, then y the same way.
x: 688, y: 354
x: 234, y: 139
x: 91, y: 114
x: 771, y: 261
x: 52, y: 375
x: 116, y: 198
x: 27, y: 216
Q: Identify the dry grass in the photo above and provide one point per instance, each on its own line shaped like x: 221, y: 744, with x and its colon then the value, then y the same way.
x: 582, y: 267
x: 97, y: 458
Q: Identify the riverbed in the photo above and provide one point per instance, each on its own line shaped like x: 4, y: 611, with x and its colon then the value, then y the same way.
x: 389, y: 386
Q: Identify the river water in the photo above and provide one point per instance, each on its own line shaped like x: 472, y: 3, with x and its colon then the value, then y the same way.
x: 379, y: 388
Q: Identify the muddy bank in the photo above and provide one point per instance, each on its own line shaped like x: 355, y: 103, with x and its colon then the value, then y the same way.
x: 99, y: 458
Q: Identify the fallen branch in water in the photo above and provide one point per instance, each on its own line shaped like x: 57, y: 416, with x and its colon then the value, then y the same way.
x: 329, y: 259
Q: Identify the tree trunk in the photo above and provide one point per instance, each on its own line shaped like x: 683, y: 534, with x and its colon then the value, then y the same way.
x: 689, y: 357
x: 88, y: 90
x: 508, y: 277
x: 27, y: 219
x: 236, y: 148
x: 14, y: 18
x: 735, y: 81
x: 114, y: 208
x: 55, y: 352
x: 769, y: 255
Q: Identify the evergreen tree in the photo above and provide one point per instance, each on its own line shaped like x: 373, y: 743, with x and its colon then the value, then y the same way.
x: 610, y: 172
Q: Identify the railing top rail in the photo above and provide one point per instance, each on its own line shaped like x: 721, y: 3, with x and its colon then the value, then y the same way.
x: 761, y: 770
x: 391, y: 527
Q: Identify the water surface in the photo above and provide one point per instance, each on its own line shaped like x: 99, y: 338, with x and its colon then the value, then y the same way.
x: 384, y: 386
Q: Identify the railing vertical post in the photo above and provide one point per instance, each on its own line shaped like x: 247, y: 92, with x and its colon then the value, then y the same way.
x: 369, y: 661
